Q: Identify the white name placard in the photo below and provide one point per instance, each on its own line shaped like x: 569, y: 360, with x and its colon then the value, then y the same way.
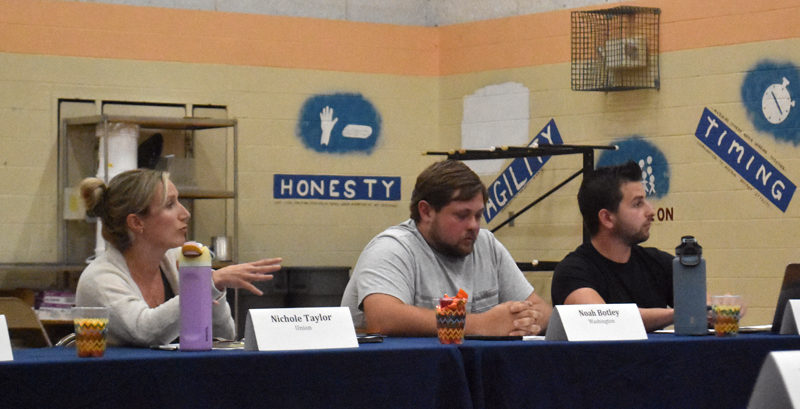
x: 791, y: 317
x: 596, y: 322
x: 284, y: 329
x: 5, y: 341
x: 778, y: 383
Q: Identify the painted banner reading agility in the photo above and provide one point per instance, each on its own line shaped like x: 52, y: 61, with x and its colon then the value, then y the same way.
x: 745, y: 160
x: 521, y: 170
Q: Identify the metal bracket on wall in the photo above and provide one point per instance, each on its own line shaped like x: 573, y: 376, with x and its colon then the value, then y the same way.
x: 505, y: 152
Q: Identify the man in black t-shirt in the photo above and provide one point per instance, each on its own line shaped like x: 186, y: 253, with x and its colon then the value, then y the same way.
x: 612, y: 267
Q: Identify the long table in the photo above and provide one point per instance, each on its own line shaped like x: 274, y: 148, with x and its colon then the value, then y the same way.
x: 665, y: 371
x: 412, y: 373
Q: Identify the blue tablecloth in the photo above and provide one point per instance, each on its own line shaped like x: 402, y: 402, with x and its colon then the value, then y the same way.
x: 399, y: 373
x: 665, y: 371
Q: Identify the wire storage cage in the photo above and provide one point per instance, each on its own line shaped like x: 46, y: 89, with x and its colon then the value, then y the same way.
x: 615, y: 49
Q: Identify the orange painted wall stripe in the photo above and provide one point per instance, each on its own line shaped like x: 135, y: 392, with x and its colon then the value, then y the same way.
x: 544, y: 38
x: 160, y: 34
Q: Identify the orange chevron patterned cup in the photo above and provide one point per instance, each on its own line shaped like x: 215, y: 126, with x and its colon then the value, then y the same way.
x: 725, y: 313
x: 451, y: 314
x: 91, y: 327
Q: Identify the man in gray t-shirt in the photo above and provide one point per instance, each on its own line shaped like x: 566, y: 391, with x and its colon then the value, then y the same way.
x: 442, y: 249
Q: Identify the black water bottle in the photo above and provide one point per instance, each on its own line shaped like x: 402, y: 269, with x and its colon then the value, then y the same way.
x: 689, y: 288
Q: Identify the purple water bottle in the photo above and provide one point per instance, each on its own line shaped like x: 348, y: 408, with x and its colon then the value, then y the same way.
x: 194, y: 267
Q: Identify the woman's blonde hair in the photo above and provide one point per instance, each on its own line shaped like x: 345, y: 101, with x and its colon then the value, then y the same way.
x: 128, y: 193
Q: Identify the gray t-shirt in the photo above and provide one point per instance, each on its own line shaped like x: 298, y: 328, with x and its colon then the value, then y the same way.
x: 399, y: 262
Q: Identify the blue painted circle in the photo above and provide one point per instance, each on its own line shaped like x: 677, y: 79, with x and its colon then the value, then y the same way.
x: 347, y: 109
x: 655, y: 169
x: 756, y: 82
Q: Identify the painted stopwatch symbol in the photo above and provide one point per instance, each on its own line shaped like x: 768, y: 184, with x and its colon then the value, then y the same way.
x: 776, y: 102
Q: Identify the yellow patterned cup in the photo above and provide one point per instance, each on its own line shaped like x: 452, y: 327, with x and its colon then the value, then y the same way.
x: 91, y: 327
x: 450, y: 320
x: 725, y: 313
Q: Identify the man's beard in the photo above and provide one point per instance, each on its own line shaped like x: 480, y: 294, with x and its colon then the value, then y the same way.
x: 633, y: 237
x: 449, y: 249
x: 637, y: 237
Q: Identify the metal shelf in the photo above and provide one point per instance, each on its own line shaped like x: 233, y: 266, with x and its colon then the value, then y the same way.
x: 149, y: 122
x: 214, y: 177
x: 195, y: 193
x: 47, y: 268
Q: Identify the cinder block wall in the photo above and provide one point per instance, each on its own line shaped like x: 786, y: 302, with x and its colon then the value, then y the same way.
x: 263, y: 68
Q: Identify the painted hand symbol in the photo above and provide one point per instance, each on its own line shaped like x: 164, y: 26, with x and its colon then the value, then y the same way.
x: 327, y: 122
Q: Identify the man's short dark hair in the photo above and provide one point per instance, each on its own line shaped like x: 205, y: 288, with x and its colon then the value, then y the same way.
x: 602, y: 190
x: 444, y: 182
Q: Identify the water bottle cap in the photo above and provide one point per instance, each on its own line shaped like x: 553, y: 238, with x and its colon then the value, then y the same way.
x: 192, y: 249
x: 689, y: 252
x: 194, y: 254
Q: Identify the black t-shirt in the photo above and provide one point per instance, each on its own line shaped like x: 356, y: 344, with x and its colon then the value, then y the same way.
x: 646, y: 279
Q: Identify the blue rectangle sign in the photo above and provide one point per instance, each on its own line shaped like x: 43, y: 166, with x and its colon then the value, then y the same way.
x: 332, y: 187
x: 521, y: 170
x: 745, y: 160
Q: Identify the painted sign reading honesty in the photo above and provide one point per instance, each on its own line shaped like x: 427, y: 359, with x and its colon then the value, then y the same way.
x: 332, y: 187
x: 521, y: 170
x: 745, y: 160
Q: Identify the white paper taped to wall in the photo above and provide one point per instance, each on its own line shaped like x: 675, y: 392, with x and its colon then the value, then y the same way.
x: 495, y: 115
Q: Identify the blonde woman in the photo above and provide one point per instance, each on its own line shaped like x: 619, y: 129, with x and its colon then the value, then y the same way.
x: 136, y: 277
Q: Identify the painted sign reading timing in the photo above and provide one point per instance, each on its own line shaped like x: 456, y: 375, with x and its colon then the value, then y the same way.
x: 745, y: 160
x: 331, y: 187
x: 519, y: 173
